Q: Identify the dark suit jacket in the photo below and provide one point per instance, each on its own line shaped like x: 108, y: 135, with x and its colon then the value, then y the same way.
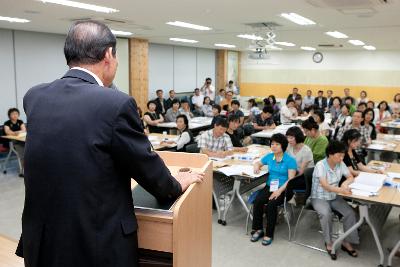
x: 330, y: 102
x: 169, y: 103
x: 324, y: 104
x: 159, y: 107
x: 298, y: 97
x: 85, y: 143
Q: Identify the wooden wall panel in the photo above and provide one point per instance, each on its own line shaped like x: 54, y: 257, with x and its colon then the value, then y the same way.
x: 139, y: 71
x: 222, y: 68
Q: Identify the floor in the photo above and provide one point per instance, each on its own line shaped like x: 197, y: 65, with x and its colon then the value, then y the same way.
x: 231, y: 246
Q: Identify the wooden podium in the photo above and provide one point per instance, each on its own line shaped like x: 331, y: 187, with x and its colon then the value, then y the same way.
x: 180, y: 235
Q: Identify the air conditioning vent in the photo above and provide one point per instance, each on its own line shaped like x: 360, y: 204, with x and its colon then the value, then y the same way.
x: 330, y: 45
x: 269, y: 24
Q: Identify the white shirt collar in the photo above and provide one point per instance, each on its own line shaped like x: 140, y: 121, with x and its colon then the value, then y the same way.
x: 91, y: 73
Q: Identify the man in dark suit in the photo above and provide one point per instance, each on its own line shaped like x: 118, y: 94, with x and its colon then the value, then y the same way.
x: 170, y: 99
x: 78, y: 208
x: 161, y: 103
x: 329, y: 99
x: 295, y: 94
x: 320, y: 101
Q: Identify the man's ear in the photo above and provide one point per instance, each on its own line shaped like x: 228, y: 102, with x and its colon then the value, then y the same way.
x: 108, y: 55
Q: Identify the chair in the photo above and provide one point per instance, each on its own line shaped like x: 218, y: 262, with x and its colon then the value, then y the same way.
x: 306, y: 205
x: 282, y: 208
x: 192, y: 148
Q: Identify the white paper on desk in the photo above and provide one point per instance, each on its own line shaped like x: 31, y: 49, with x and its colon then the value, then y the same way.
x: 370, y: 183
x: 362, y: 193
x: 393, y: 175
x: 240, y: 170
x: 152, y: 138
x: 377, y: 146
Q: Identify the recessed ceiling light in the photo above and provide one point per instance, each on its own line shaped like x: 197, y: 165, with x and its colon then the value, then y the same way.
x: 183, y: 40
x: 189, y: 25
x: 308, y: 48
x: 296, y: 18
x: 115, y: 32
x: 225, y: 45
x: 81, y: 5
x: 369, y: 47
x: 14, y: 19
x: 337, y: 34
x: 285, y: 43
x: 250, y: 36
x: 356, y: 42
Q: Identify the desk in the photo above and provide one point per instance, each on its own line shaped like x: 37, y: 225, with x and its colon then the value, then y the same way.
x: 268, y: 133
x: 196, y: 123
x: 184, y: 230
x: 19, y: 138
x: 156, y: 139
x: 236, y: 185
x: 385, y: 197
x: 386, y: 142
x: 7, y: 253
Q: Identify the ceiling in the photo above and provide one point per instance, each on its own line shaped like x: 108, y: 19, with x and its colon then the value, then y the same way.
x: 376, y: 22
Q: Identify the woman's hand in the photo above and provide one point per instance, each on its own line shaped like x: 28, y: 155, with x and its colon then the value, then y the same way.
x: 256, y: 168
x: 275, y: 194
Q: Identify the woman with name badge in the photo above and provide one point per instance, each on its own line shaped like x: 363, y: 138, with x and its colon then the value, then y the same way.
x: 281, y: 169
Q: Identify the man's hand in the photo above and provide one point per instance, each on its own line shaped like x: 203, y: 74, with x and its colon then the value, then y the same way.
x: 188, y: 178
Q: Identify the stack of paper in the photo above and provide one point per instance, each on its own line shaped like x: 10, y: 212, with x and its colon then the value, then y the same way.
x: 367, y: 184
x: 241, y: 170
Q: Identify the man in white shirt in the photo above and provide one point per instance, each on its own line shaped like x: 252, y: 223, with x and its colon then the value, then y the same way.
x: 308, y: 100
x: 231, y: 88
x: 208, y: 89
x: 288, y: 112
x: 197, y: 100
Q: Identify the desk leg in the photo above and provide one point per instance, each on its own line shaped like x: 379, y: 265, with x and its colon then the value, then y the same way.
x: 363, y: 216
x: 392, y: 253
x: 12, y: 150
x: 235, y: 190
x: 239, y: 196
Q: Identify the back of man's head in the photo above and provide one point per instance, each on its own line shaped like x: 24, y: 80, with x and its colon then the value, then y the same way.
x: 87, y: 42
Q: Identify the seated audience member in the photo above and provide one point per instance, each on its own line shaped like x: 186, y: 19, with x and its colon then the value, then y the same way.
x: 325, y: 196
x: 356, y: 124
x: 233, y: 125
x: 308, y: 100
x: 170, y: 99
x: 185, y: 109
x: 220, y: 96
x: 274, y: 104
x: 253, y: 108
x: 395, y: 106
x: 264, y: 120
x: 323, y: 126
x: 335, y: 109
x: 227, y: 102
x: 329, y: 99
x: 382, y: 114
x: 281, y: 168
x: 197, y: 101
x: 216, y: 109
x: 173, y: 111
x: 151, y: 118
x: 288, y: 112
x: 346, y: 95
x: 314, y: 140
x: 206, y: 108
x: 343, y: 119
x: 351, y: 139
x: 371, y: 104
x: 303, y: 156
x: 363, y: 97
x: 161, y: 103
x: 185, y: 136
x: 236, y: 111
x: 215, y: 142
x: 348, y: 101
x: 232, y: 88
x: 362, y: 106
x: 320, y: 101
x: 368, y: 119
x: 13, y: 127
x: 298, y: 104
x: 294, y: 95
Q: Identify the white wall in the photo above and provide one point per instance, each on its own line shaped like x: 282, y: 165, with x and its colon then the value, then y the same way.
x: 31, y: 58
x: 179, y: 68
